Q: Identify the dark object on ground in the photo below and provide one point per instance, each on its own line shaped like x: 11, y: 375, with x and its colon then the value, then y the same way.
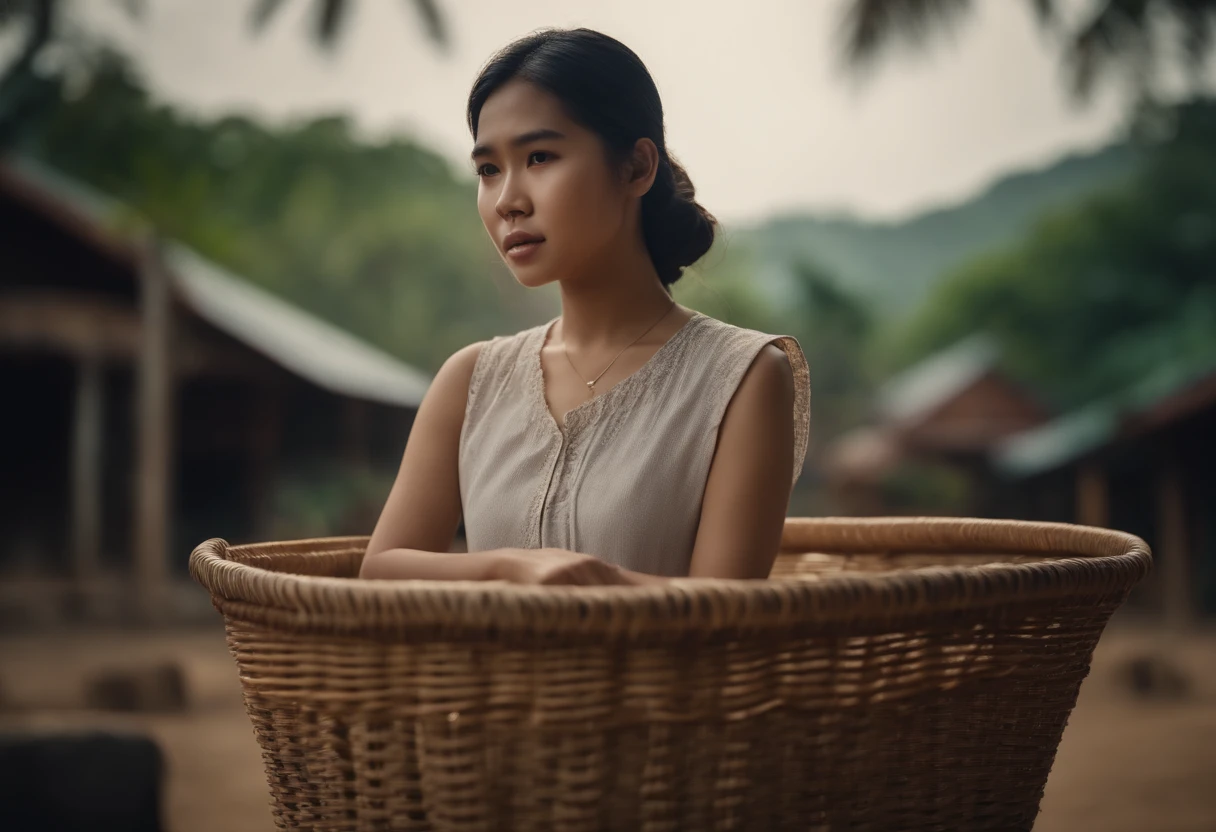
x: 1156, y: 677
x: 97, y: 782
x: 159, y: 687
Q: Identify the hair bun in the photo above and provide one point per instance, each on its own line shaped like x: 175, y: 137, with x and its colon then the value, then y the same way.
x: 678, y: 229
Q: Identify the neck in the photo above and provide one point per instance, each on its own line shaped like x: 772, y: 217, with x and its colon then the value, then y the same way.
x: 620, y: 299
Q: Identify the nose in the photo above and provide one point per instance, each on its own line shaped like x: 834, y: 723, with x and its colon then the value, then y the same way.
x: 513, y: 199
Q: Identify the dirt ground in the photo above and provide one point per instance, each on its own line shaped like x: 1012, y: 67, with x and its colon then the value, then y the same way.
x: 1126, y: 764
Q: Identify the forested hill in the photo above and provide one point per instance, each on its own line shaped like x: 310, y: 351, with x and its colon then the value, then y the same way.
x: 895, y: 264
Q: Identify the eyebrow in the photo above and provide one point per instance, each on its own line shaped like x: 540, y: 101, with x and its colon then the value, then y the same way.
x: 542, y: 134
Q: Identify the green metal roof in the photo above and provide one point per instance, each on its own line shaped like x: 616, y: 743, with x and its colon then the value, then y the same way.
x: 301, y: 343
x: 1088, y: 428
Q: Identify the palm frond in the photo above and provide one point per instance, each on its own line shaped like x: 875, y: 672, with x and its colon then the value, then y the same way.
x: 433, y: 21
x: 1196, y: 21
x: 1119, y: 36
x: 1044, y: 12
x: 133, y: 8
x: 1118, y: 33
x: 870, y: 27
x: 261, y: 12
x: 11, y: 10
x: 332, y: 15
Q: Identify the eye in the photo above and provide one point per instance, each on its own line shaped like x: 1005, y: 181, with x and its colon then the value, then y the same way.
x: 545, y: 155
x: 486, y: 170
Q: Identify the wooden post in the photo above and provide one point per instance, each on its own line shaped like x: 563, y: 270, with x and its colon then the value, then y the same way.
x: 1172, y: 545
x: 154, y: 406
x: 265, y: 437
x: 1093, y: 501
x: 355, y: 433
x: 86, y: 472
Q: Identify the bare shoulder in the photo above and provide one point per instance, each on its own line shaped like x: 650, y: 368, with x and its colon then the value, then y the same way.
x: 460, y: 364
x: 457, y: 370
x: 769, y: 380
x: 423, y: 507
x: 748, y: 489
x: 451, y: 384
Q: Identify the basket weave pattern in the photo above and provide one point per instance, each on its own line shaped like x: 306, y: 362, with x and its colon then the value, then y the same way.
x: 894, y: 674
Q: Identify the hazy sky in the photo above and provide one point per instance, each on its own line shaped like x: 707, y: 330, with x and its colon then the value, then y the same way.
x: 758, y: 108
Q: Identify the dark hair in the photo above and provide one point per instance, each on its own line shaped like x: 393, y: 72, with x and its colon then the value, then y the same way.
x: 606, y: 88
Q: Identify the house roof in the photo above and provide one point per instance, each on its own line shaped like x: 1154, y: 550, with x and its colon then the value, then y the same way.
x: 301, y: 343
x: 924, y: 387
x: 1168, y: 393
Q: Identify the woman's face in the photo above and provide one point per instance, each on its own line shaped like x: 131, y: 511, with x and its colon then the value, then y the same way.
x: 544, y: 177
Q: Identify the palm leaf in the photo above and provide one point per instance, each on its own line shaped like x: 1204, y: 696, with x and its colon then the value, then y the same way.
x: 261, y: 13
x: 333, y: 14
x: 1118, y: 32
x: 870, y: 27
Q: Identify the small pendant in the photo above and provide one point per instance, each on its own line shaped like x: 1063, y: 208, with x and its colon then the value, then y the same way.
x: 591, y: 386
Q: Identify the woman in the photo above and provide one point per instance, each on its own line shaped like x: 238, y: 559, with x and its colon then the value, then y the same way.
x: 631, y: 439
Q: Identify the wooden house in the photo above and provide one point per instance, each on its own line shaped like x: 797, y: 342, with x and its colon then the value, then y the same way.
x: 1143, y: 461
x: 152, y: 400
x: 950, y: 409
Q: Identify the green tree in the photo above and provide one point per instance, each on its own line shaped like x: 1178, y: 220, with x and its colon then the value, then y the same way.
x: 1102, y: 293
x: 835, y: 329
x: 381, y: 238
x: 25, y: 92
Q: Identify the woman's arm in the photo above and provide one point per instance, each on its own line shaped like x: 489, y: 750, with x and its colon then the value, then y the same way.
x: 747, y: 492
x: 422, y: 511
x: 521, y: 566
x: 742, y: 514
x: 420, y: 516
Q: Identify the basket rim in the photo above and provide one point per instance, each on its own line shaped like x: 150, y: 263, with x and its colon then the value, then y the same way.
x: 1092, y: 563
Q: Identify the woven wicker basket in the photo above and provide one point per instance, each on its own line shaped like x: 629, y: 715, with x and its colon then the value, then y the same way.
x: 895, y: 674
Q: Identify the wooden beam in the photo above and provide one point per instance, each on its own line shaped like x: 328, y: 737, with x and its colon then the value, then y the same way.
x: 154, y: 406
x: 86, y: 471
x: 80, y: 325
x: 77, y: 324
x: 265, y: 435
x: 354, y: 439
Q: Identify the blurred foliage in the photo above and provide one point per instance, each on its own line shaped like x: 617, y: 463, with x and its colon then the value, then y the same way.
x: 325, y: 499
x: 922, y: 487
x: 836, y: 330
x: 894, y: 264
x: 382, y: 238
x: 1101, y: 293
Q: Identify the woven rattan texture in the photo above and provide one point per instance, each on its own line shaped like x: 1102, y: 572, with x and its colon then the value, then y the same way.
x: 895, y: 675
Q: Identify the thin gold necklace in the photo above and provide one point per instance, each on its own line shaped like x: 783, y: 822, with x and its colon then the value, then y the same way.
x: 591, y: 384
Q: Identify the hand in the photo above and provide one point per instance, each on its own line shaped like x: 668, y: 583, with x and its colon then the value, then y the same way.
x: 558, y: 567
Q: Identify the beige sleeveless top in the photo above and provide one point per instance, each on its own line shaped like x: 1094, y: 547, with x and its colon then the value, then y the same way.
x: 625, y: 480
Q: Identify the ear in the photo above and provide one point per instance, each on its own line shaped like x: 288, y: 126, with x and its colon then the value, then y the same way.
x: 642, y: 167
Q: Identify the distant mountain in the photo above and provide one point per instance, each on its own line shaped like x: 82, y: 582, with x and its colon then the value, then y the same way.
x: 895, y: 264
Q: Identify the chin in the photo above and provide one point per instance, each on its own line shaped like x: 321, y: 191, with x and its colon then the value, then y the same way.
x: 533, y: 278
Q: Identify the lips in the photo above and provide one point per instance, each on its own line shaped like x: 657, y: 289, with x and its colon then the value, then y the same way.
x: 516, y: 239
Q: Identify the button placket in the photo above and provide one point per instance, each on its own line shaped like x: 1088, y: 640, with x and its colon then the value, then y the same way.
x: 558, y: 493
x: 555, y: 459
